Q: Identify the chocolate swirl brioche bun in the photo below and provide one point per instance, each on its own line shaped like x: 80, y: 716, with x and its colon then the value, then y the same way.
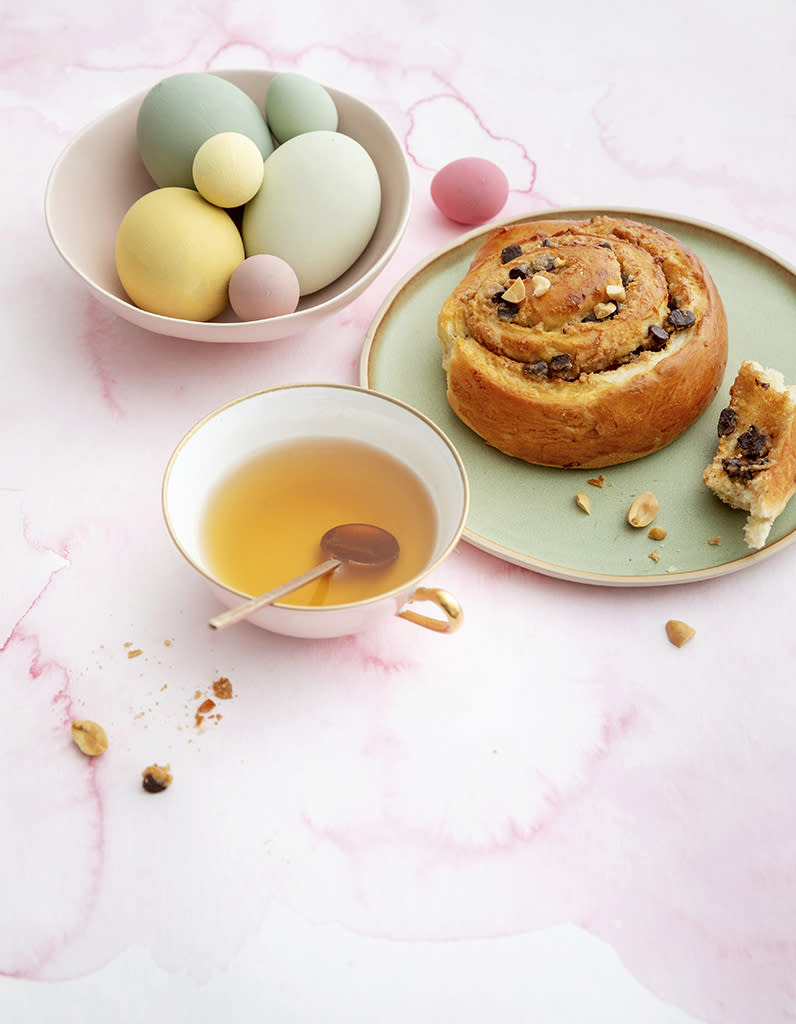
x: 582, y: 343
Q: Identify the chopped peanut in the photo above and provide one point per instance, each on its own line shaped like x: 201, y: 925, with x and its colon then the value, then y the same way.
x: 679, y: 632
x: 604, y: 309
x: 516, y: 292
x: 89, y: 737
x: 643, y: 509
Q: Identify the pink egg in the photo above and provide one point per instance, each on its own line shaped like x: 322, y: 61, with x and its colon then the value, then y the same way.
x: 470, y: 190
x: 262, y: 286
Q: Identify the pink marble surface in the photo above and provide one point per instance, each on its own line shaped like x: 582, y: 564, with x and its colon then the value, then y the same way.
x: 552, y: 816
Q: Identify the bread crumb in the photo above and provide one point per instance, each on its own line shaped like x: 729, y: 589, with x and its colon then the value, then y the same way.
x: 715, y: 541
x: 597, y: 481
x: 583, y: 502
x: 654, y: 555
x: 222, y: 688
x: 657, y: 533
x: 203, y: 710
x: 155, y: 778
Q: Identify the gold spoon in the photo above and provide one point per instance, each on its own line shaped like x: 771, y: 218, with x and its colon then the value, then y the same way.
x: 359, y: 544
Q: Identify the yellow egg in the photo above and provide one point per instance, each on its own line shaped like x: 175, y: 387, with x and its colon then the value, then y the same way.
x: 175, y: 254
x: 181, y: 112
x: 228, y: 169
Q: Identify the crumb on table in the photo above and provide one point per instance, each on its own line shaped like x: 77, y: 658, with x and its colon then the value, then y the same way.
x: 156, y: 778
x: 222, y: 688
x: 679, y: 632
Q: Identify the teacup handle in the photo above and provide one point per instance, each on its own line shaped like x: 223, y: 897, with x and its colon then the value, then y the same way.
x: 444, y: 601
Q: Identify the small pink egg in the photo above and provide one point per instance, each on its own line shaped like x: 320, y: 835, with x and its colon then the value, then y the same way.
x: 262, y: 286
x: 470, y: 190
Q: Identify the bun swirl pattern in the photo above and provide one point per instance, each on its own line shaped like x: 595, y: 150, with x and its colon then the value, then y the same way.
x: 582, y: 343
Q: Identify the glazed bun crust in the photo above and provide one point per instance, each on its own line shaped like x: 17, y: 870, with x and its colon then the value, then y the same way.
x: 610, y: 342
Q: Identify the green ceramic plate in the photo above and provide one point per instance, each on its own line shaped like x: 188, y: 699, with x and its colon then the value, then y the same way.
x: 527, y: 514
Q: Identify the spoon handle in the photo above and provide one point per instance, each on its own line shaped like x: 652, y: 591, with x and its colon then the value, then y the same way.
x: 254, y: 603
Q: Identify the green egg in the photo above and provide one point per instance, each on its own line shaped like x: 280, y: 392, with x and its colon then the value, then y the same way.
x: 317, y: 208
x: 183, y: 111
x: 295, y: 104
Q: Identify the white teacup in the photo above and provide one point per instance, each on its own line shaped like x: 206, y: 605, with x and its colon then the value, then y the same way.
x: 233, y: 434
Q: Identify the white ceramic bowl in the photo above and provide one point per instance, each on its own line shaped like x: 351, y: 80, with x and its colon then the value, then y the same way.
x: 231, y: 435
x: 100, y: 175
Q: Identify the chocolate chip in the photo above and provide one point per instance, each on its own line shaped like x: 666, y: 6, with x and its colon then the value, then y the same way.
x: 659, y: 337
x: 523, y: 271
x: 546, y: 242
x: 545, y: 262
x: 762, y: 384
x: 510, y: 252
x: 732, y: 466
x: 538, y: 369
x: 742, y: 469
x: 753, y: 442
x: 728, y: 418
x: 681, y: 318
x: 562, y: 363
x: 507, y: 310
x: 605, y: 245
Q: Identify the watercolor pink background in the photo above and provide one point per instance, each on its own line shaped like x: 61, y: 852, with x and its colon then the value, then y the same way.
x: 553, y: 816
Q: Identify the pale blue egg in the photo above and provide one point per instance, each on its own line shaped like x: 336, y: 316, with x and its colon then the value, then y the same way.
x: 295, y: 104
x: 183, y: 111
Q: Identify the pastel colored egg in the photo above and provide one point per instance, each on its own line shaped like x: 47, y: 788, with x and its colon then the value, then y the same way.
x: 295, y: 104
x: 263, y: 286
x: 181, y: 112
x: 317, y: 207
x: 470, y: 190
x: 175, y: 254
x: 228, y: 169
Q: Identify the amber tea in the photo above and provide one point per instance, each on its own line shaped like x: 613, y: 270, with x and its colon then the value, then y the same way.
x: 264, y: 521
